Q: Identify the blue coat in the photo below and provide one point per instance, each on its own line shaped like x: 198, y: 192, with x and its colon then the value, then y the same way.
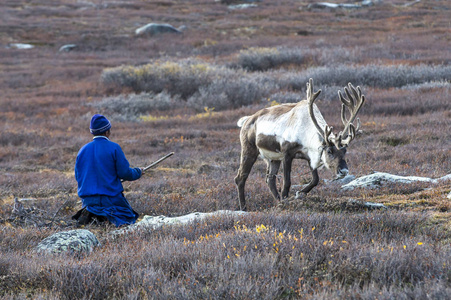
x: 99, y: 168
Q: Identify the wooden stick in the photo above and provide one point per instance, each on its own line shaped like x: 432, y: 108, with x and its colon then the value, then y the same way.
x: 155, y: 163
x: 158, y: 161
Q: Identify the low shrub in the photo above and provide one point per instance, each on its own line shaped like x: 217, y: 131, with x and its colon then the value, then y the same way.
x: 182, y: 78
x: 367, y: 75
x: 231, y: 92
x: 329, y: 93
x: 262, y: 59
x: 130, y: 107
x: 285, y: 97
x: 205, y: 85
x: 259, y: 255
x: 200, y: 84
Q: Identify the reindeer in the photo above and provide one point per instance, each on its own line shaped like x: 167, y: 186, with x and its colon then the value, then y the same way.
x: 284, y: 132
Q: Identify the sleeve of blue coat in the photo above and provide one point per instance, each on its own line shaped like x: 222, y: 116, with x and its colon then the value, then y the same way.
x: 123, y: 167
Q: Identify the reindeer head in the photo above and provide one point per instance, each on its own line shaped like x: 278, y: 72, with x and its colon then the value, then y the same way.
x: 334, y: 146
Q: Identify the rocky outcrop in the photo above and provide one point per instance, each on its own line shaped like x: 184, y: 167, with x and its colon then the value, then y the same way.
x: 74, y: 241
x: 21, y: 46
x: 152, y: 29
x: 364, y: 3
x: 150, y: 222
x: 242, y: 6
x: 379, y: 178
x: 81, y: 241
x: 67, y: 48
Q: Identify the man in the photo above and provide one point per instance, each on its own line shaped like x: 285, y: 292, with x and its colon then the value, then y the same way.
x: 99, y: 168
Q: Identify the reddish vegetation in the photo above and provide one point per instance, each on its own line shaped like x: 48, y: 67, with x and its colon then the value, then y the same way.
x: 47, y: 98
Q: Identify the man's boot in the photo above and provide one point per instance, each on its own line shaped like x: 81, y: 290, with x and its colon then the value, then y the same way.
x: 85, y: 217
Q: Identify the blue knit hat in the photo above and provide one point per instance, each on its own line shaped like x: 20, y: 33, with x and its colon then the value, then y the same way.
x: 99, y: 124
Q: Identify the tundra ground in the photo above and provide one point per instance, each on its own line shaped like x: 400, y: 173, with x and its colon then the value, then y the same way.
x: 184, y: 93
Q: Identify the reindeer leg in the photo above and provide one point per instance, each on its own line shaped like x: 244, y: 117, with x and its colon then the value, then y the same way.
x: 313, y: 183
x: 287, y: 163
x: 248, y: 159
x: 273, y: 168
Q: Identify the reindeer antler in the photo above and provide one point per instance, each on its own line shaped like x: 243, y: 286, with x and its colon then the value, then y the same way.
x: 353, y: 102
x: 311, y: 97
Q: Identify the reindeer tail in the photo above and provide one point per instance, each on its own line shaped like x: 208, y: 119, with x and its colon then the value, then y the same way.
x: 241, y: 121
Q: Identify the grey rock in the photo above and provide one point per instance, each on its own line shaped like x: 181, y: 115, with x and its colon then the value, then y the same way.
x: 242, y: 6
x: 67, y: 48
x: 21, y: 46
x: 155, y: 29
x: 379, y: 178
x: 341, y: 5
x: 73, y: 241
x: 445, y: 178
x: 408, y: 3
x: 152, y: 222
x: 347, y: 179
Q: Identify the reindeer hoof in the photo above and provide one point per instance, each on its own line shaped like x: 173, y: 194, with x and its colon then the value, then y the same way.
x: 300, y: 195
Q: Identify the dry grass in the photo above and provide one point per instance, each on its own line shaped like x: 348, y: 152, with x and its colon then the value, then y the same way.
x: 321, y: 248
